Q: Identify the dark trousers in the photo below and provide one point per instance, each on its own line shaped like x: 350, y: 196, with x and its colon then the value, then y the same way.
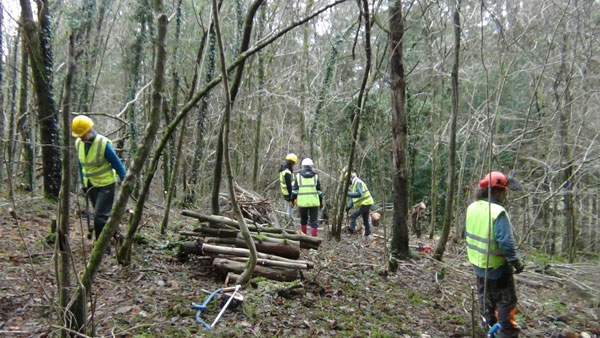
x: 309, y: 213
x: 364, y: 211
x: 102, y: 199
x: 501, y: 304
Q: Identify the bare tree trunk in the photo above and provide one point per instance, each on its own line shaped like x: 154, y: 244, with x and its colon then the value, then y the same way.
x: 249, y: 268
x: 362, y: 95
x: 23, y: 124
x: 441, y: 246
x: 10, y: 142
x: 173, y: 182
x: 563, y: 105
x: 1, y: 90
x: 190, y: 198
x: 260, y: 108
x: 78, y: 306
x: 62, y: 236
x: 399, y: 247
x: 37, y: 39
x: 233, y: 93
x: 305, y: 84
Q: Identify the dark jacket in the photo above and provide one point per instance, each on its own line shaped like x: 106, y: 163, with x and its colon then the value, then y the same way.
x: 308, y: 173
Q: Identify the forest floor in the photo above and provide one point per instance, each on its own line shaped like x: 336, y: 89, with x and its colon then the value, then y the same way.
x: 348, y: 293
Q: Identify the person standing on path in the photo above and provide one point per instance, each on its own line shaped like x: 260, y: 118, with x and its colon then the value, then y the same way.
x: 99, y: 167
x: 487, y: 222
x: 307, y: 193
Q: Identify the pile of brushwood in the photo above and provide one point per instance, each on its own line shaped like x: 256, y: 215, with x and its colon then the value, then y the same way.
x: 218, y: 238
x: 253, y: 206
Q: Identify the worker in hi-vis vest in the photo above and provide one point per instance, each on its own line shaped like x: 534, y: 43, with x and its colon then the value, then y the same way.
x: 361, y: 199
x: 286, y: 182
x: 487, y: 222
x: 99, y: 167
x: 307, y: 193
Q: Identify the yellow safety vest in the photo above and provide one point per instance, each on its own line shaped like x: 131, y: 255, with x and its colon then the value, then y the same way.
x: 94, y: 166
x: 282, y: 174
x: 307, y: 191
x: 365, y: 198
x: 477, y: 226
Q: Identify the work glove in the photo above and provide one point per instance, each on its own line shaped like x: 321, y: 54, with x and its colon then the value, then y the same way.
x: 348, y: 208
x: 518, y: 266
x: 84, y: 189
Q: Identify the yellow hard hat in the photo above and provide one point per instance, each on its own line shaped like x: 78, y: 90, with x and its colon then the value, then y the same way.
x: 81, y: 125
x: 292, y: 157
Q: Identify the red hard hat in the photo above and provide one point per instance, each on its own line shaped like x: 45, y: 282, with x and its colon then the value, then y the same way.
x: 499, y: 180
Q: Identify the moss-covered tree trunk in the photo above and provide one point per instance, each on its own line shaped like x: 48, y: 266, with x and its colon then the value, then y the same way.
x: 399, y: 247
x: 37, y: 37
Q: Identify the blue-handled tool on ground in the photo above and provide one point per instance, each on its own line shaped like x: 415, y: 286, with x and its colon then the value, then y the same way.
x: 492, y: 329
x: 202, y: 307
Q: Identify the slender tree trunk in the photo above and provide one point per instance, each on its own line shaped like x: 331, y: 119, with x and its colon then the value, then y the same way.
x: 190, y: 198
x: 23, y: 123
x: 399, y: 247
x: 563, y: 105
x: 261, y: 85
x: 79, y: 305
x: 362, y: 98
x: 435, y: 162
x: 234, y: 90
x: 305, y: 84
x: 173, y: 182
x: 247, y: 273
x: 1, y: 91
x: 62, y: 236
x: 10, y: 141
x: 134, y: 63
x: 84, y: 39
x: 441, y: 246
x: 37, y: 39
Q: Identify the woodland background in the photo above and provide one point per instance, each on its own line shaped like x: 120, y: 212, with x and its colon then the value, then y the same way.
x: 525, y: 102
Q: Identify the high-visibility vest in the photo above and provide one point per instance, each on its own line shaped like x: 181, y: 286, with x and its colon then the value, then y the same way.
x: 307, y: 191
x: 365, y: 198
x: 282, y: 174
x: 94, y: 166
x: 478, y: 218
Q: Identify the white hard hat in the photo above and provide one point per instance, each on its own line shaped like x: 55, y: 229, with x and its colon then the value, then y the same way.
x: 307, y: 161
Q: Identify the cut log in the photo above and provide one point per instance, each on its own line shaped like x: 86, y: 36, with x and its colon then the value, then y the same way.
x: 280, y: 247
x: 266, y: 262
x: 278, y: 274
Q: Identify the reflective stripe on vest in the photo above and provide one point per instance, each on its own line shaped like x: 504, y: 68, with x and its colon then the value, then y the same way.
x: 94, y: 166
x: 307, y: 191
x: 282, y: 174
x: 477, y: 223
x: 365, y: 198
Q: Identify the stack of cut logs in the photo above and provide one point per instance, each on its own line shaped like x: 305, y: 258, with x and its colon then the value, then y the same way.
x: 278, y: 250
